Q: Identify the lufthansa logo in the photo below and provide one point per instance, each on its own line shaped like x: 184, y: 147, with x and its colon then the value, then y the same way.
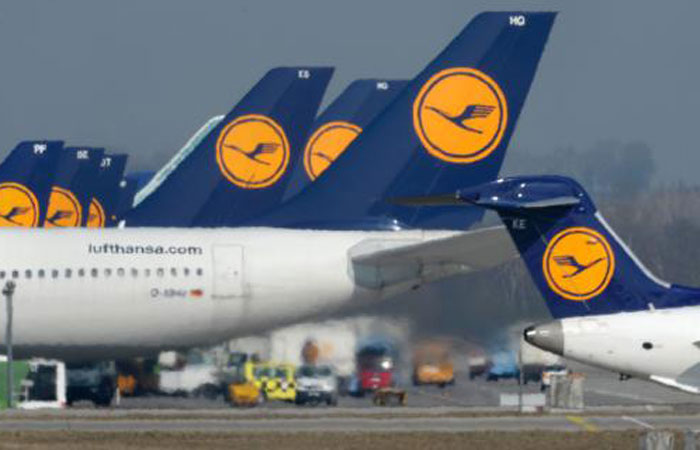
x: 64, y: 209
x: 252, y: 152
x: 96, y: 215
x: 460, y: 115
x: 578, y: 263
x: 326, y: 144
x: 18, y: 206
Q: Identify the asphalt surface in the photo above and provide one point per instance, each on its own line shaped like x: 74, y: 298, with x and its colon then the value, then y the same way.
x: 466, y: 406
x: 359, y: 424
x: 601, y: 389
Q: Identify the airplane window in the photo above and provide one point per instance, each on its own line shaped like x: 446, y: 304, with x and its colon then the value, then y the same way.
x: 186, y: 272
x: 93, y: 272
x: 81, y: 272
x: 69, y: 272
x: 121, y: 271
x: 28, y: 273
x: 160, y: 272
x: 41, y: 273
x: 15, y: 274
x: 146, y: 272
x: 2, y: 274
x: 54, y: 273
x: 108, y: 272
x: 200, y: 272
x: 173, y: 271
x: 134, y: 272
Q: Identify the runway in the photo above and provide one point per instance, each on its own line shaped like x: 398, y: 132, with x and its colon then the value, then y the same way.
x: 133, y: 422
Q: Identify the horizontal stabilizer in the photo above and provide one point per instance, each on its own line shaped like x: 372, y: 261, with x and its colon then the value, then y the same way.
x: 430, y: 200
x: 378, y: 263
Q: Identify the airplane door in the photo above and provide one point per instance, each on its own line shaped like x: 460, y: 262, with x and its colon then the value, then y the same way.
x: 228, y: 271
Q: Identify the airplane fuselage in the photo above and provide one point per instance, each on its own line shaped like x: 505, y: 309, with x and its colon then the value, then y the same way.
x: 659, y: 345
x: 121, y: 292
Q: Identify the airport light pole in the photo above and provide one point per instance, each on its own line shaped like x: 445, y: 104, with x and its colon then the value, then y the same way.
x: 521, y: 376
x: 8, y: 291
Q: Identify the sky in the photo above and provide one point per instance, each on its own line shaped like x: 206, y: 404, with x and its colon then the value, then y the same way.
x: 140, y: 76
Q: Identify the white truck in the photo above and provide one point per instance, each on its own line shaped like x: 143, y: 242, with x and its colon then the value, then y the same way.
x: 198, y: 376
x: 96, y: 382
x: 316, y: 384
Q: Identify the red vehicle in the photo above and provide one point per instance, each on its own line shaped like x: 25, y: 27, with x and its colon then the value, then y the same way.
x: 375, y: 368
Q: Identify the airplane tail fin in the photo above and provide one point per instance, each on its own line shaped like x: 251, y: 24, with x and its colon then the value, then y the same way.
x: 339, y: 124
x: 578, y: 263
x: 105, y: 197
x: 452, y: 123
x: 73, y: 186
x: 26, y: 176
x: 242, y: 166
x: 128, y: 187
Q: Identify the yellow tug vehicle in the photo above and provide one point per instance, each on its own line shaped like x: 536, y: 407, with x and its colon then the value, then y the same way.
x: 275, y: 381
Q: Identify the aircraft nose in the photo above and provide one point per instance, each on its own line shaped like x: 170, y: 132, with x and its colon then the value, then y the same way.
x: 547, y: 336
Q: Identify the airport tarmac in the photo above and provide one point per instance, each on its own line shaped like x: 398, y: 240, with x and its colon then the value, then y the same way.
x: 602, y: 389
x: 359, y: 423
x: 469, y: 405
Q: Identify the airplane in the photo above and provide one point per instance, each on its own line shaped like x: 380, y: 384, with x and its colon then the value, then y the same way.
x: 174, y: 162
x: 242, y: 165
x: 74, y: 180
x: 610, y: 310
x: 354, y: 108
x: 129, y: 188
x: 102, y: 210
x: 25, y: 182
x: 409, y: 150
x: 114, y: 293
x: 339, y: 124
x: 336, y: 126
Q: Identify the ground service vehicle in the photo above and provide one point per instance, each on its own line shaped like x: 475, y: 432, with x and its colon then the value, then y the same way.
x: 237, y: 380
x: 95, y: 382
x: 275, y: 381
x: 432, y: 364
x: 316, y: 384
x: 375, y: 367
x: 198, y: 377
x: 138, y: 376
x: 549, y: 372
x: 503, y: 365
x: 478, y: 365
x: 243, y: 392
x: 44, y: 385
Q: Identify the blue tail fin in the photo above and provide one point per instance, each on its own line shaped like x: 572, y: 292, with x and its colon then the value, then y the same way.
x: 242, y: 166
x: 73, y: 186
x: 141, y: 178
x: 26, y: 176
x: 339, y: 124
x: 105, y: 197
x: 128, y: 187
x: 164, y: 172
x: 451, y: 123
x: 577, y: 261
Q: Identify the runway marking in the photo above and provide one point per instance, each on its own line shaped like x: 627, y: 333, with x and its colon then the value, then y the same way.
x: 583, y: 423
x: 641, y: 423
x: 635, y: 397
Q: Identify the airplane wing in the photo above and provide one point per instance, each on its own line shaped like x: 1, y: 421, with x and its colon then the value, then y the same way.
x: 381, y: 263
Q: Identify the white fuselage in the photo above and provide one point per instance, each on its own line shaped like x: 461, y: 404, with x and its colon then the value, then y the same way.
x: 659, y: 345
x: 90, y: 294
